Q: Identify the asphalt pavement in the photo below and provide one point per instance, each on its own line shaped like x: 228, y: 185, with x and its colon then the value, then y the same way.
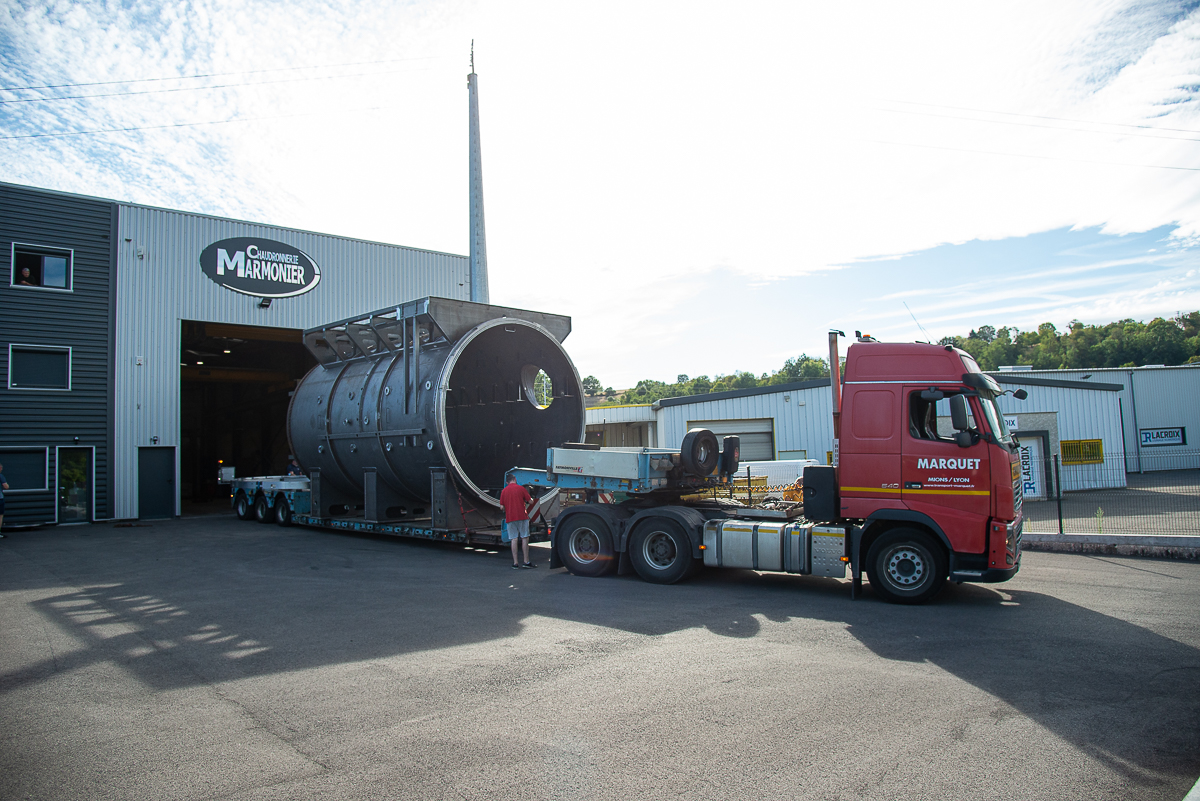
x: 210, y: 658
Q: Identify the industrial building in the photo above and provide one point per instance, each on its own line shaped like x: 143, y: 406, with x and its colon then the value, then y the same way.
x: 142, y: 347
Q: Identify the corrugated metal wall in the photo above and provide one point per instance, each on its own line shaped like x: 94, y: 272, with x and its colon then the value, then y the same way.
x: 1082, y: 414
x: 1154, y: 397
x: 804, y: 422
x: 164, y: 285
x: 78, y: 319
x: 630, y: 413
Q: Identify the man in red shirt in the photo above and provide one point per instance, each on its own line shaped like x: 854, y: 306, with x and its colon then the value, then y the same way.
x: 517, y: 503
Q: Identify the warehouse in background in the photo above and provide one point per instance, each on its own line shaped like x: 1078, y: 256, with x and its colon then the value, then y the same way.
x: 141, y: 345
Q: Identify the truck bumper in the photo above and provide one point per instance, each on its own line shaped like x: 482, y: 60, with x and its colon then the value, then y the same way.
x: 993, y: 575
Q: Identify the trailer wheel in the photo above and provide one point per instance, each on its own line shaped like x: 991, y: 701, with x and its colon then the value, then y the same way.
x: 242, y: 507
x: 262, y: 509
x: 585, y: 546
x: 283, y: 512
x: 661, y: 552
x: 699, y: 453
x: 906, y: 566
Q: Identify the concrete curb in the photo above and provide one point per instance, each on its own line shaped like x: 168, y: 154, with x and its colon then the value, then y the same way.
x: 1194, y: 795
x: 1161, y: 547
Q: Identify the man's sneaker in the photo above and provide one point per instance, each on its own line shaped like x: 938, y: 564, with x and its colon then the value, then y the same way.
x: 516, y: 566
x: 529, y: 565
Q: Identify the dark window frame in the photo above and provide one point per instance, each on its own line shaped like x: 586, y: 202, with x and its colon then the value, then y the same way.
x: 45, y: 449
x: 44, y: 348
x: 43, y: 251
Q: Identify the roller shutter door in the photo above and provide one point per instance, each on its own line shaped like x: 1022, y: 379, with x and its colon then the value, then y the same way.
x: 758, y: 436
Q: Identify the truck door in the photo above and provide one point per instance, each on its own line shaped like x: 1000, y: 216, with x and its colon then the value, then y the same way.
x: 942, y: 479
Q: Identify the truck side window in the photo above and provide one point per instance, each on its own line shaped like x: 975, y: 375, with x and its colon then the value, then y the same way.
x: 922, y: 419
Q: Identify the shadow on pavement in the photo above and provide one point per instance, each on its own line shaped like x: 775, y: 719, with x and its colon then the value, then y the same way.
x: 207, y: 601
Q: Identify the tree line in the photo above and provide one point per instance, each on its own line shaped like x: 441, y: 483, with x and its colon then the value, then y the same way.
x: 1125, y: 343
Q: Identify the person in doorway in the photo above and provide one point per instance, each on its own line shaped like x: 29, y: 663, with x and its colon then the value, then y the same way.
x: 3, y: 487
x: 294, y: 468
x: 516, y: 502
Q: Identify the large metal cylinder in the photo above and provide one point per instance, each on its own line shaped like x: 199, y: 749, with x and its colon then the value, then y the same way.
x: 435, y: 383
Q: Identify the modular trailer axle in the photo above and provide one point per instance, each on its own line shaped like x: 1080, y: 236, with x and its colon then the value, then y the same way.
x: 287, y: 501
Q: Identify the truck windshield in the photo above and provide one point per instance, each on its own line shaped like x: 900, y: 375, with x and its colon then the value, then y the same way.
x: 994, y: 418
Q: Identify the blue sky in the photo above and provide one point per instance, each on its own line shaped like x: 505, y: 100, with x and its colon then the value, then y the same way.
x: 703, y: 188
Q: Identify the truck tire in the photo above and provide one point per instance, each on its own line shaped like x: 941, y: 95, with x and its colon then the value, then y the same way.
x: 283, y: 512
x: 661, y: 552
x: 262, y: 510
x: 242, y: 506
x: 906, y: 566
x: 585, y: 546
x: 700, y: 452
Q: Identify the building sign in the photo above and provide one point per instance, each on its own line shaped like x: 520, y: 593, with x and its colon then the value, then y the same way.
x: 1033, y: 481
x: 1010, y: 422
x: 1152, y: 437
x: 260, y: 267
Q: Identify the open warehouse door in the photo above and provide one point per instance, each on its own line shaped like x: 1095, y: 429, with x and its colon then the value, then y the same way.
x: 236, y: 382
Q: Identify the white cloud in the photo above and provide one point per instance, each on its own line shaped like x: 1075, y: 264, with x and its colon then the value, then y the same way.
x: 644, y: 163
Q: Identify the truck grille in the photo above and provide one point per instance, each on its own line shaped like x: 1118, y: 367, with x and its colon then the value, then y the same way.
x: 1018, y: 496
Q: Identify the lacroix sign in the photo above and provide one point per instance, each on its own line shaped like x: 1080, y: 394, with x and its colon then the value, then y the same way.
x: 260, y: 267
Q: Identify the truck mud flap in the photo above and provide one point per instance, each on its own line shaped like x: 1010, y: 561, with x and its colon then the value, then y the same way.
x: 624, y: 566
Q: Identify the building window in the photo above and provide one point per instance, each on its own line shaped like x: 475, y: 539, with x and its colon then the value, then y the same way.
x: 1082, y: 451
x: 39, y: 367
x: 42, y: 268
x: 25, y: 468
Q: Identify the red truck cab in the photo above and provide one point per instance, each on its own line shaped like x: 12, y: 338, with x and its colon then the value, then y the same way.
x: 927, y: 472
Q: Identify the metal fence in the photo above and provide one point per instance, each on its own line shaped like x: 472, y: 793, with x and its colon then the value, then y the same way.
x: 1160, y: 500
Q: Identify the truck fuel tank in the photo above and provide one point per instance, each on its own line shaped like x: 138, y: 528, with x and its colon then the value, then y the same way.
x: 804, y: 548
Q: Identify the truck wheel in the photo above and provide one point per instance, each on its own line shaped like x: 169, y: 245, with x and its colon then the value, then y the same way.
x: 906, y: 566
x: 262, y: 509
x: 242, y: 507
x: 699, y: 453
x: 660, y: 551
x: 585, y: 546
x: 283, y: 512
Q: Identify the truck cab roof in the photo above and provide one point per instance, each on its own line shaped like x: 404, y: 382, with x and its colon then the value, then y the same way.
x: 908, y: 362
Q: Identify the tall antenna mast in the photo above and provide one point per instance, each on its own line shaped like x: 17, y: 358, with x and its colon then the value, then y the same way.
x: 479, y: 276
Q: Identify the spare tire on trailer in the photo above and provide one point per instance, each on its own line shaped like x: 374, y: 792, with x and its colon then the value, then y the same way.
x: 699, y: 452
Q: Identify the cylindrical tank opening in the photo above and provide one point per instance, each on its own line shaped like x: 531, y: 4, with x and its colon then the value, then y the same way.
x: 511, y: 393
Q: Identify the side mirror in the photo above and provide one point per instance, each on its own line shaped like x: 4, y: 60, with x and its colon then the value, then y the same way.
x: 964, y: 439
x: 1020, y: 394
x: 958, y: 413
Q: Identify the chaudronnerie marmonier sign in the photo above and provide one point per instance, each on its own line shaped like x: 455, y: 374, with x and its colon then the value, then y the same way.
x: 260, y: 267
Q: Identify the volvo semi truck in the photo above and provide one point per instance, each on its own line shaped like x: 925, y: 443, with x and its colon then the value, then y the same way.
x: 908, y: 500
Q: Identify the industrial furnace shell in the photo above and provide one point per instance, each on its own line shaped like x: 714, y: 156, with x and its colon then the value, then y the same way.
x: 427, y: 398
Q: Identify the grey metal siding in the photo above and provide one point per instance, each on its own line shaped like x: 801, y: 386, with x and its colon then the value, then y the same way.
x: 1082, y: 414
x: 79, y: 319
x: 1153, y: 397
x: 804, y: 421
